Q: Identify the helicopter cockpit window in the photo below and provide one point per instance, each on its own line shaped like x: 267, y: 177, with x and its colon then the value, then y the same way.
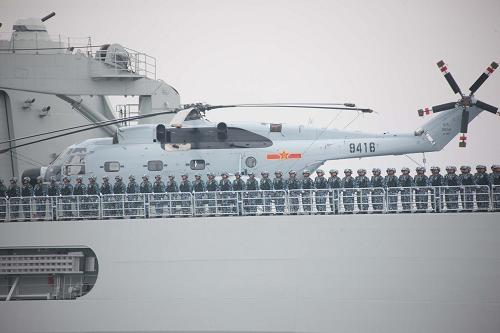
x: 251, y: 162
x: 155, y: 165
x: 75, y: 162
x: 112, y: 166
x: 275, y: 128
x: 197, y: 164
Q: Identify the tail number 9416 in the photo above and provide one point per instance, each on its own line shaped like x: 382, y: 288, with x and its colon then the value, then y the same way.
x: 364, y: 147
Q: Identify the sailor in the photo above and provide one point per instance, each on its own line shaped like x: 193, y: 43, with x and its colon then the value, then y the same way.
x: 145, y: 186
x: 40, y: 198
x: 14, y: 194
x: 106, y: 191
x: 321, y: 186
x: 348, y: 191
x: 436, y: 181
x: 239, y: 187
x: 482, y: 181
x: 119, y: 190
x: 279, y: 192
x: 421, y: 191
x: 66, y: 193
x: 185, y: 195
x: 467, y: 183
x: 93, y: 191
x: 293, y: 185
x: 53, y: 191
x: 27, y: 194
x: 134, y: 201
x: 495, y: 184
x: 307, y: 192
x: 3, y: 201
x: 226, y: 198
x: 171, y: 189
x: 377, y: 183
x: 362, y: 183
x: 158, y: 189
x: 405, y: 183
x: 198, y: 187
x: 334, y: 183
x: 251, y: 194
x: 391, y: 184
x: 266, y: 186
x: 80, y: 190
x: 211, y: 195
x: 451, y: 183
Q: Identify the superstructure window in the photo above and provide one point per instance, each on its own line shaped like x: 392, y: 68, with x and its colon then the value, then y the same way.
x: 112, y: 166
x: 155, y: 165
x: 197, y: 164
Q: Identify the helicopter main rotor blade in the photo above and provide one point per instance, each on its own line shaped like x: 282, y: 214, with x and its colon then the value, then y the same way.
x: 483, y: 77
x: 444, y: 107
x: 97, y: 125
x: 449, y: 78
x: 299, y: 106
x: 486, y: 106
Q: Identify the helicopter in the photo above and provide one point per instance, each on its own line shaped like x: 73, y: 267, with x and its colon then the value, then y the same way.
x: 191, y: 144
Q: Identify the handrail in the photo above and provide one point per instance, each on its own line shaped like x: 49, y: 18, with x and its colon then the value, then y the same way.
x: 371, y: 200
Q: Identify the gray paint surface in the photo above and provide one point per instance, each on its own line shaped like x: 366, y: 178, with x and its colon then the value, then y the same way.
x: 380, y: 273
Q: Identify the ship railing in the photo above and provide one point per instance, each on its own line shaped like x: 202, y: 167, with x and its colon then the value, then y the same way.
x: 463, y: 198
x: 169, y: 204
x: 212, y: 203
x: 495, y: 198
x: 28, y: 209
x: 420, y: 199
x: 359, y: 200
x: 77, y: 207
x: 4, y: 209
x: 130, y: 205
x: 48, y: 287
x: 262, y: 202
x: 308, y: 201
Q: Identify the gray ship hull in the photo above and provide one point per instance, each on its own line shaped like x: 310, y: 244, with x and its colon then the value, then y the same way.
x: 378, y: 273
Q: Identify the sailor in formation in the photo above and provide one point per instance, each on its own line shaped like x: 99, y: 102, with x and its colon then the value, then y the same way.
x: 451, y: 182
x: 279, y: 193
x: 347, y: 185
x: 420, y: 182
x: 451, y: 192
x: 466, y: 180
x: 292, y: 184
x: 377, y: 194
x: 391, y: 183
x: 334, y: 184
x: 482, y: 181
x: 321, y: 187
x: 436, y: 181
x: 362, y: 183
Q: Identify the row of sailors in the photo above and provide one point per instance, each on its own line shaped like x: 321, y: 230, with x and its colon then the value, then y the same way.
x: 360, y: 187
x: 405, y: 180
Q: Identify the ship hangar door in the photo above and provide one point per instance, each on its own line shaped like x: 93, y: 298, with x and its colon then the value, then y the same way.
x: 6, y: 162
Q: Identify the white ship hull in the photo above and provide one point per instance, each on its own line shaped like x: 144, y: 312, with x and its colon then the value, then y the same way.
x: 378, y: 273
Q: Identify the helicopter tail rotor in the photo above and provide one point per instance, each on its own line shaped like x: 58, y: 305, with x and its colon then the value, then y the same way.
x: 465, y: 101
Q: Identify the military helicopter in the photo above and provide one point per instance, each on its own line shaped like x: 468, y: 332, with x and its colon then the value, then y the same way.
x: 192, y: 144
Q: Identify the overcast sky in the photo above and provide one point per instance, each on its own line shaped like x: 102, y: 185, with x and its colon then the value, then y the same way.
x: 378, y: 54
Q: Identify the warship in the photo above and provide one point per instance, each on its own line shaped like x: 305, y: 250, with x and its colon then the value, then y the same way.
x: 139, y: 263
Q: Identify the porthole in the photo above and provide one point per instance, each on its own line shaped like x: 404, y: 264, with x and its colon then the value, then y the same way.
x: 251, y: 162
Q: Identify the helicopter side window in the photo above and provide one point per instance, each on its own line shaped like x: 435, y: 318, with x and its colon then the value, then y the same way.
x: 112, y: 166
x: 275, y: 128
x: 197, y: 164
x: 155, y: 165
x: 251, y: 162
x: 75, y: 163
